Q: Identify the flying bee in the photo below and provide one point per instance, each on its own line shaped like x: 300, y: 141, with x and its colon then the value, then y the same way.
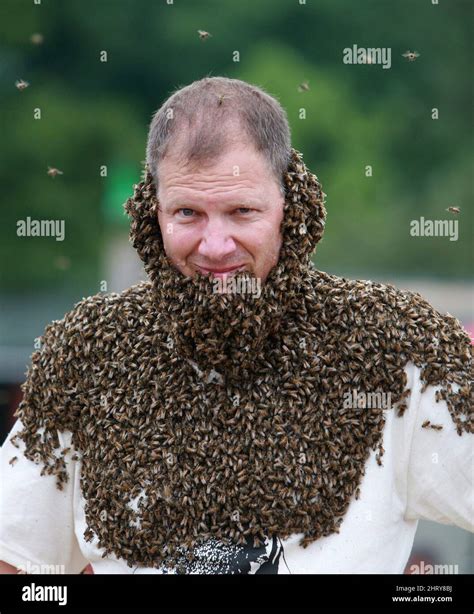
x: 303, y: 87
x: 52, y: 172
x: 411, y: 55
x: 62, y: 263
x: 455, y: 210
x: 436, y: 427
x: 203, y: 35
x: 13, y: 460
x: 21, y: 85
x: 37, y: 38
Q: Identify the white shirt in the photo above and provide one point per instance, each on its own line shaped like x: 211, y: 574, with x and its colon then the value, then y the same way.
x: 426, y: 474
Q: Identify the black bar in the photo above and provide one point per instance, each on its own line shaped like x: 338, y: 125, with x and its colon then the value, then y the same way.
x: 194, y: 592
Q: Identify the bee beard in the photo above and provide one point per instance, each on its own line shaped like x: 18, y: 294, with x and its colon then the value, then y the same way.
x: 229, y: 332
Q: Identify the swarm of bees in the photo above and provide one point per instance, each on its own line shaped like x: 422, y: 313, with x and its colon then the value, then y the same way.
x: 411, y: 55
x: 21, y: 85
x: 203, y: 35
x: 287, y: 455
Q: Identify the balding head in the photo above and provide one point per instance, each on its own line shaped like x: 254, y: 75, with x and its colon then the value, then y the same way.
x: 202, y: 121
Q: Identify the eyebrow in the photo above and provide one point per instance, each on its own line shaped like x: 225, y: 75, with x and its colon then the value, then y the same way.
x: 185, y: 203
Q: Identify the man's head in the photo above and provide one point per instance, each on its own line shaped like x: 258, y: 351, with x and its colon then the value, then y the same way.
x: 217, y: 150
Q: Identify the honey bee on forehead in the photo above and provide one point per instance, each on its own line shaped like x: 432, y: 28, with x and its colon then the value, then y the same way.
x: 20, y: 84
x: 411, y: 55
x: 53, y: 172
x: 303, y: 87
x: 455, y: 210
x: 203, y: 35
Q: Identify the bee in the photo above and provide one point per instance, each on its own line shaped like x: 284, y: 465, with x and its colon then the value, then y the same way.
x: 37, y: 38
x: 425, y: 424
x: 303, y: 87
x: 455, y: 210
x: 20, y: 84
x: 436, y: 427
x: 13, y: 460
x: 221, y: 99
x: 203, y: 35
x: 62, y: 263
x: 411, y: 55
x: 52, y: 172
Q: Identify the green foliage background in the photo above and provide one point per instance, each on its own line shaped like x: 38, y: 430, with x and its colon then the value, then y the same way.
x: 96, y: 113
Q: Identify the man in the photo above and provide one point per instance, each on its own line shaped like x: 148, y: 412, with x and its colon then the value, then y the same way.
x: 240, y: 412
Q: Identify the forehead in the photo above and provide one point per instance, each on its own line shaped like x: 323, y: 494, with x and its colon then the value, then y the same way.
x: 239, y: 171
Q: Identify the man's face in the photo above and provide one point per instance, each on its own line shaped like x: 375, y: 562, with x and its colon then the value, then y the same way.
x: 221, y: 218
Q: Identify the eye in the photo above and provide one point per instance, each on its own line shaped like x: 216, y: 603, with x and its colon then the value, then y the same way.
x: 185, y: 209
x: 244, y: 210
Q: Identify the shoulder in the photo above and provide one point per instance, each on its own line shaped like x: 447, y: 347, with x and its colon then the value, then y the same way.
x: 91, y: 322
x: 380, y: 322
x: 105, y: 305
x: 384, y: 302
x: 101, y: 309
x: 76, y: 344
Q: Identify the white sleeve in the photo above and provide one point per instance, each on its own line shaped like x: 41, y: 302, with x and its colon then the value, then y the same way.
x: 441, y: 465
x: 36, y: 519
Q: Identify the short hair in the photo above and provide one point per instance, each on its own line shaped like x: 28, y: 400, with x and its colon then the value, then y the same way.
x: 210, y: 114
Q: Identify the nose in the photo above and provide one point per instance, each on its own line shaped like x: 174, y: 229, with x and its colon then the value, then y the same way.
x: 216, y: 244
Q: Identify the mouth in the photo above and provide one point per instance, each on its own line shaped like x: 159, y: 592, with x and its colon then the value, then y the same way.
x: 221, y: 272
